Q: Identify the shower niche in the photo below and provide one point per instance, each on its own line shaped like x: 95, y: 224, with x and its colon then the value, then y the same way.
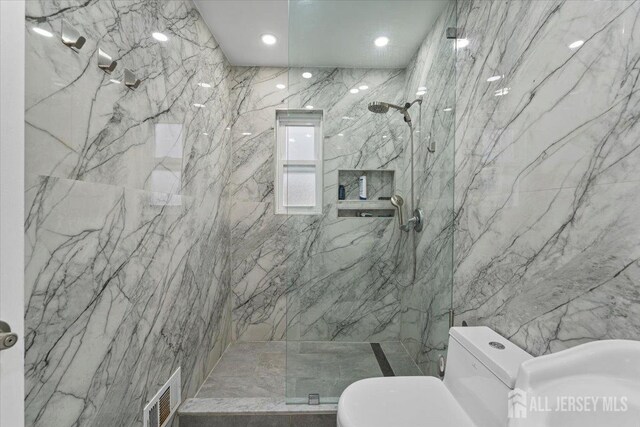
x: 380, y: 185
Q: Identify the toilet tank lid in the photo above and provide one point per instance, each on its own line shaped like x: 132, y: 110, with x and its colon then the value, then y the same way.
x: 486, y: 345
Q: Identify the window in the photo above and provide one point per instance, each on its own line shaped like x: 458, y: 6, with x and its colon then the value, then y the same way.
x: 298, y: 162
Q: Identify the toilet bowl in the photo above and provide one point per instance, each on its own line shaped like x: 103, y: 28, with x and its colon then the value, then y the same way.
x: 490, y: 382
x: 482, y: 367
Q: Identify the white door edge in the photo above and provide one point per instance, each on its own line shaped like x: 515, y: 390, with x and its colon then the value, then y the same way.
x: 12, y: 70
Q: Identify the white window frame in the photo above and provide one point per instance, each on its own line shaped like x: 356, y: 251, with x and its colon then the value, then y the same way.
x: 286, y: 118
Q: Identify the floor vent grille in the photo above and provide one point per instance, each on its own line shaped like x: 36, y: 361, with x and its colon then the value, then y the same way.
x: 164, y: 404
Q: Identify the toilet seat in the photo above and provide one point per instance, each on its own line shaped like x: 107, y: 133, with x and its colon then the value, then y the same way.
x: 400, y: 402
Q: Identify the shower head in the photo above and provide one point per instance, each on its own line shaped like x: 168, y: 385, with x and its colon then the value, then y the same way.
x: 378, y: 107
x: 383, y: 107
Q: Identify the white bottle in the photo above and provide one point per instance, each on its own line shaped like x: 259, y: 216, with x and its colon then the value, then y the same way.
x: 363, y: 187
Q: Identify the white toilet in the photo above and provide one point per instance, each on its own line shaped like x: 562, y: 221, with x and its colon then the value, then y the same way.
x: 481, y: 370
x: 593, y: 384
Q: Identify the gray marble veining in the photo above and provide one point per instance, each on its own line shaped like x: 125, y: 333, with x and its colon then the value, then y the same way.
x: 546, y: 179
x: 127, y: 210
x: 138, y: 261
x: 339, y: 278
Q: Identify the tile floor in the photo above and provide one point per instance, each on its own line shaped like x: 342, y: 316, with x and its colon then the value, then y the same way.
x: 251, y: 384
x: 259, y: 369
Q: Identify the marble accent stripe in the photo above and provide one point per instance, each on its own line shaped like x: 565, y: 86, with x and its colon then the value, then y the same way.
x: 383, y: 362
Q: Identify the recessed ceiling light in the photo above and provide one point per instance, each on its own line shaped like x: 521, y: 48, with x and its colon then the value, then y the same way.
x: 204, y: 85
x: 576, y: 44
x: 420, y: 92
x: 384, y: 136
x: 494, y: 78
x: 205, y: 133
x: 228, y: 128
x: 269, y: 39
x: 422, y: 88
x: 309, y: 107
x: 114, y: 81
x: 346, y: 118
x: 198, y: 105
x: 246, y: 133
x: 280, y: 86
x: 381, y: 41
x: 341, y: 134
x: 363, y: 87
x: 448, y: 109
x: 160, y: 37
x: 308, y: 135
x: 307, y: 75
x: 354, y: 90
x: 460, y: 43
x: 42, y: 32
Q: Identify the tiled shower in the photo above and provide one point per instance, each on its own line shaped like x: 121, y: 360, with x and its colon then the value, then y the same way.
x: 152, y: 239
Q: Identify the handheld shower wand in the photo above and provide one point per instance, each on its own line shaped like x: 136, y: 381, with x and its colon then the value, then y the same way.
x: 398, y: 202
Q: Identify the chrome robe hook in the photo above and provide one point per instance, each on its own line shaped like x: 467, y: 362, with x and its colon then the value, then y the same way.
x: 71, y: 37
x: 105, y: 62
x: 130, y: 79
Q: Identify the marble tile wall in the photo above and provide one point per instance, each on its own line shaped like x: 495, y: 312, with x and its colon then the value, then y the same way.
x: 127, y: 210
x: 426, y: 304
x: 340, y: 276
x: 547, y: 179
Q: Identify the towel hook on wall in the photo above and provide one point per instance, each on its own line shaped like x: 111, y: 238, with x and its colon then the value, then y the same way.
x: 105, y: 62
x: 71, y: 37
x: 130, y: 79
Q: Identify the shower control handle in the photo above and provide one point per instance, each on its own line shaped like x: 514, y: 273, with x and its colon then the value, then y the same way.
x: 416, y: 222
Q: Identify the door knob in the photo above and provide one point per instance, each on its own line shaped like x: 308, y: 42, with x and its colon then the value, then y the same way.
x: 7, y: 338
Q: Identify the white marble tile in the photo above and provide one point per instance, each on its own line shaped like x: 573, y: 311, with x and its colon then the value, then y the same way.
x: 127, y: 278
x: 337, y: 277
x: 546, y: 177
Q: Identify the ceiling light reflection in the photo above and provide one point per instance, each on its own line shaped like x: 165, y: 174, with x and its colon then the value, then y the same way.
x: 462, y: 43
x: 42, y: 32
x: 381, y: 41
x: 160, y: 37
x: 269, y: 39
x: 576, y: 44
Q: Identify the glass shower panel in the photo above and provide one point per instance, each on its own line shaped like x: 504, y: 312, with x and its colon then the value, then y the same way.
x: 350, y: 271
x: 427, y: 303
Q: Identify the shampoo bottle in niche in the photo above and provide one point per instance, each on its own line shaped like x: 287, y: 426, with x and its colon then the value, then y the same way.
x: 363, y: 187
x: 342, y: 194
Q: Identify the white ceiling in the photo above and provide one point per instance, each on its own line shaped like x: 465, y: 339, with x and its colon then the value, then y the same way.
x: 322, y: 33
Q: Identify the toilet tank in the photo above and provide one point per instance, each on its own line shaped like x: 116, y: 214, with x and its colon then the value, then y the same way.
x: 481, y: 370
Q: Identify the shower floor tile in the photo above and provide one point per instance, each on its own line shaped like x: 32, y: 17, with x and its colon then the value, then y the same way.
x: 273, y: 369
x: 248, y: 386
